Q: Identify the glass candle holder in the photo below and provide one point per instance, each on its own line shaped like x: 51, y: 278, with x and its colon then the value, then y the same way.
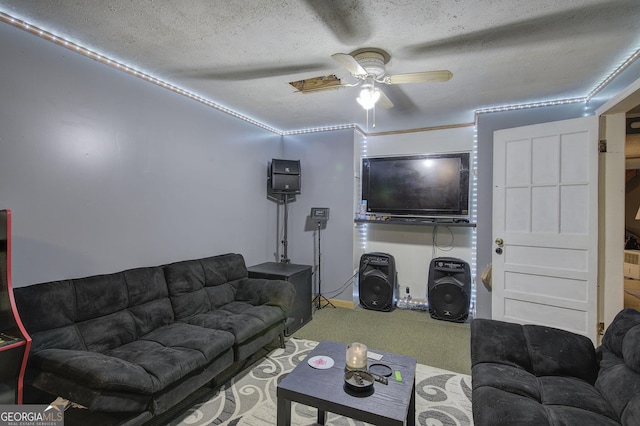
x: 356, y: 356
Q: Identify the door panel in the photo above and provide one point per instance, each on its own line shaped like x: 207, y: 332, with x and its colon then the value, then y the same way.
x: 545, y: 225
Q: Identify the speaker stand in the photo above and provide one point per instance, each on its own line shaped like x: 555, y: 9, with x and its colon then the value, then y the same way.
x: 285, y: 242
x: 319, y: 297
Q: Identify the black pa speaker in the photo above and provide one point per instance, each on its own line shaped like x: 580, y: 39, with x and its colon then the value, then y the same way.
x: 449, y: 289
x: 284, y: 176
x: 377, y: 282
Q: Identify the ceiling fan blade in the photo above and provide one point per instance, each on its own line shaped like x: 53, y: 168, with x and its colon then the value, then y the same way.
x: 419, y: 77
x: 349, y: 63
x: 403, y: 105
x: 583, y: 21
x: 346, y: 20
x: 384, y: 101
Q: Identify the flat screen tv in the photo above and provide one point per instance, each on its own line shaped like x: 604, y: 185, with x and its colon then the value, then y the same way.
x: 427, y: 185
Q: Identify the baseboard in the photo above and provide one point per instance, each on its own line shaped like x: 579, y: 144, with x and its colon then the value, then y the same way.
x: 342, y: 303
x: 338, y: 303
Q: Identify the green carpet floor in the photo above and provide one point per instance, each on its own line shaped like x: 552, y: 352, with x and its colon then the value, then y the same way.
x: 432, y: 342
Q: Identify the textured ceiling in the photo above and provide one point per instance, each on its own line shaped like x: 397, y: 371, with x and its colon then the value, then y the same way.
x: 240, y: 54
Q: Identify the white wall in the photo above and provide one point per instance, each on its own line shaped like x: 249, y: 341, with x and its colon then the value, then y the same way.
x: 412, y: 246
x: 103, y: 171
x: 326, y: 160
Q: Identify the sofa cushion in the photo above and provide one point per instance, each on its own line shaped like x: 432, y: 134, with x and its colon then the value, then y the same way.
x: 621, y: 387
x: 560, y: 353
x: 507, y: 378
x: 558, y: 392
x: 501, y: 342
x: 186, y: 282
x: 149, y: 303
x: 99, y: 295
x: 107, y: 332
x: 151, y: 315
x: 242, y: 319
x: 561, y: 415
x: 198, y: 286
x: 493, y: 406
x: 146, y: 365
x: 115, y: 309
x: 619, y: 375
x: 614, y: 336
x: 95, y: 313
x: 173, y: 352
x: 145, y: 285
x: 67, y: 337
x: 548, y: 399
x: 631, y: 348
x: 34, y: 304
x: 224, y: 268
x: 94, y: 370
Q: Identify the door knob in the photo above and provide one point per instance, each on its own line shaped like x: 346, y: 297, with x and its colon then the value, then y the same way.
x: 499, y: 242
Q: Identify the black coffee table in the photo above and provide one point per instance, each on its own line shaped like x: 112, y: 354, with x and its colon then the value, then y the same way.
x: 390, y: 404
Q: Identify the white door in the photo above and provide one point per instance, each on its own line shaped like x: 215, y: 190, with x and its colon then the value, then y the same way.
x: 545, y: 225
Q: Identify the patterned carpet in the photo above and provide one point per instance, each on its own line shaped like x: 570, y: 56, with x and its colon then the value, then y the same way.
x: 442, y: 397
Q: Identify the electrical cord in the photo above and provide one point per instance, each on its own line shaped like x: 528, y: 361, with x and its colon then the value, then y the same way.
x: 435, y: 245
x: 342, y: 288
x: 345, y: 285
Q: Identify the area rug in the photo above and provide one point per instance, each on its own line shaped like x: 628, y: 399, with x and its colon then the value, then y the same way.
x: 249, y: 399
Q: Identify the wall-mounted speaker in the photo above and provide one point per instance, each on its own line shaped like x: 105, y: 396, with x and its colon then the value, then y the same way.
x: 377, y: 282
x: 449, y: 289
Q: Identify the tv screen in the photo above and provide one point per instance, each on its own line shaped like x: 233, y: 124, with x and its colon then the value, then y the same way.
x: 417, y: 185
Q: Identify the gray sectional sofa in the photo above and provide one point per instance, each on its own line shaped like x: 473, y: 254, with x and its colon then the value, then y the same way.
x: 131, y: 345
x: 535, y: 375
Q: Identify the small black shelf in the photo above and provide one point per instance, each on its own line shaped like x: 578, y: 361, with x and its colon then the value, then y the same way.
x: 416, y: 222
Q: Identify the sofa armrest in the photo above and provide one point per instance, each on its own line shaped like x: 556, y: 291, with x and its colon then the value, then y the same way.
x: 94, y: 370
x: 260, y: 291
x: 498, y: 342
x: 542, y: 351
x: 556, y: 352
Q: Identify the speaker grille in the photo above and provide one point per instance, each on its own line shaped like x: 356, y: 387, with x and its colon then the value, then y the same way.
x: 377, y: 282
x: 449, y: 302
x: 378, y: 291
x: 449, y: 289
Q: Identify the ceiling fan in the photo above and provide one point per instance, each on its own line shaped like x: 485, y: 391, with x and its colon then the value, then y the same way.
x: 367, y: 65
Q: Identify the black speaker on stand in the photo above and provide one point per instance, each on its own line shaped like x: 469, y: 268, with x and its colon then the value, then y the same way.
x: 283, y: 182
x: 377, y: 282
x: 449, y: 289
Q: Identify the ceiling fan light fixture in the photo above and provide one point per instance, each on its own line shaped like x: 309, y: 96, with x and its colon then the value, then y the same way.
x: 368, y: 97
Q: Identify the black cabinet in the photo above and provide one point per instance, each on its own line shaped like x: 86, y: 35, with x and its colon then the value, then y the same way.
x: 300, y: 277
